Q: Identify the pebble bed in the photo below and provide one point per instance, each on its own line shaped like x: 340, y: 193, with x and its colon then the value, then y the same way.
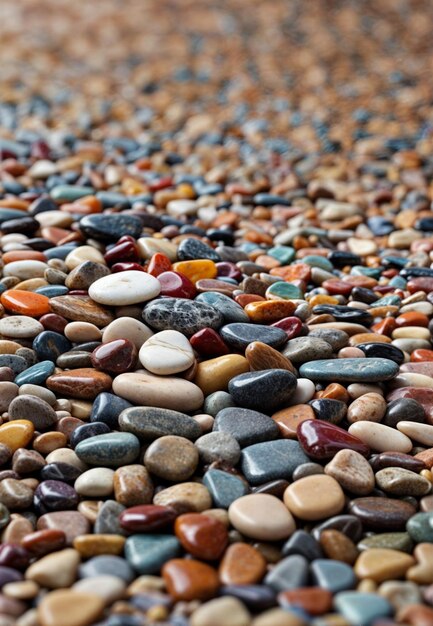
x: 216, y: 318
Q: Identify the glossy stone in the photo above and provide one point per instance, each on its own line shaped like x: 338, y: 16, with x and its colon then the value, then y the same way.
x: 116, y: 356
x: 202, y: 536
x: 183, y: 315
x: 384, y: 514
x: 271, y: 460
x: 190, y: 580
x: 110, y: 450
x: 148, y: 553
x: 176, y: 285
x: 84, y: 383
x: 321, y: 440
x: 239, y: 336
x: 350, y: 370
x: 147, y: 517
x: 265, y: 390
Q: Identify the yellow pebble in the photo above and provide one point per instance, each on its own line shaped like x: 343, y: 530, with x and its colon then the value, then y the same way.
x: 16, y: 434
x: 321, y: 299
x: 196, y: 270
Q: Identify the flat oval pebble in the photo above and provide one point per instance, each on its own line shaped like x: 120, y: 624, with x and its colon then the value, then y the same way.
x: 124, y: 288
x: 350, y: 370
x: 380, y: 437
x: 145, y: 390
x: 111, y: 450
x: 314, y: 497
x: 265, y: 390
x: 262, y: 517
x: 149, y: 423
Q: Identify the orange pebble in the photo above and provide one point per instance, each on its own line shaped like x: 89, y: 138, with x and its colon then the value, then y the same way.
x: 23, y: 255
x: 196, y: 270
x: 25, y: 302
x: 267, y: 261
x: 288, y: 419
x: 54, y: 234
x: 246, y: 298
x: 360, y: 281
x: 269, y: 311
x: 16, y: 434
x: 412, y: 318
x: 335, y: 391
x: 300, y: 271
x: 418, y: 356
x: 385, y: 327
x: 322, y: 299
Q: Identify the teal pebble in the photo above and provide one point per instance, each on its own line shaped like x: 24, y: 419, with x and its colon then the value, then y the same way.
x: 36, y: 374
x: 420, y: 527
x: 285, y: 291
x: 333, y: 575
x: 387, y: 301
x: 224, y: 488
x: 52, y: 291
x: 361, y: 609
x: 360, y: 270
x: 70, y: 193
x: 398, y: 282
x: 283, y: 254
x: 148, y: 553
x: 314, y: 260
x: 350, y: 370
x: 109, y: 450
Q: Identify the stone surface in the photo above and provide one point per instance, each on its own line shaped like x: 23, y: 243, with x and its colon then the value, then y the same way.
x: 262, y: 517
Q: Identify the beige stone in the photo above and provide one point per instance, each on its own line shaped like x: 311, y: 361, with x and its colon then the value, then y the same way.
x: 314, y: 497
x: 261, y: 516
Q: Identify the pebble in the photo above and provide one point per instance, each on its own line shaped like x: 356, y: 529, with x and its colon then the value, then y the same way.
x: 314, y: 497
x: 148, y: 553
x: 350, y: 370
x: 261, y: 516
x: 380, y: 437
x: 110, y: 450
x: 167, y: 352
x: 244, y: 425
x: 179, y: 314
x: 150, y: 423
x: 69, y: 608
x: 227, y: 610
x: 171, y: 458
x: 33, y: 409
x: 145, y: 390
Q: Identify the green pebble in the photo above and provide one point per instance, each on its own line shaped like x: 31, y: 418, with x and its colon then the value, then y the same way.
x: 285, y: 291
x: 148, y: 553
x: 283, y: 254
x: 391, y: 541
x: 69, y: 193
x: 420, y: 527
x: 314, y: 260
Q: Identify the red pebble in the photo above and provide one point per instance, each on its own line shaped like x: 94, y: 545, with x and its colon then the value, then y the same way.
x: 13, y: 555
x: 158, y: 264
x: 146, y: 518
x: 126, y: 267
x: 176, y: 285
x: 202, y: 536
x: 322, y: 440
x: 116, y: 356
x: 225, y: 268
x: 44, y: 541
x: 334, y: 286
x: 420, y: 355
x: 121, y: 252
x: 420, y: 283
x: 207, y: 342
x: 54, y: 322
x: 292, y: 326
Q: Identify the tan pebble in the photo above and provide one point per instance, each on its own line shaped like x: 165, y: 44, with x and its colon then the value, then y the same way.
x: 369, y: 407
x: 261, y: 516
x: 90, y: 509
x: 81, y: 409
x: 149, y: 246
x: 356, y: 390
x: 17, y: 529
x: 215, y: 374
x: 352, y: 471
x: 205, y: 422
x: 96, y: 482
x: 146, y: 390
x: 31, y: 284
x: 132, y: 485
x: 398, y: 481
x: 381, y: 438
x: 66, y: 455
x: 39, y: 392
x: 411, y: 332
x: 95, y: 545
x: 185, y: 497
x: 400, y: 593
x: 9, y: 347
x: 351, y: 353
x: 336, y: 545
x: 314, y: 497
x: 362, y: 247
x: 80, y: 332
x: 49, y: 442
x: 226, y: 610
x: 55, y: 570
x: 219, y: 514
x: 69, y: 608
x: 144, y: 584
x: 382, y: 564
x: 81, y: 254
x: 412, y: 379
x: 278, y: 617
x: 21, y: 590
x: 109, y: 588
x: 422, y: 572
x: 127, y: 328
x: 421, y: 433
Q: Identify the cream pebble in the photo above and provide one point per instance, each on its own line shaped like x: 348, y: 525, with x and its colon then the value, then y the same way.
x: 80, y: 332
x: 127, y: 328
x: 261, y: 516
x: 97, y: 482
x: 168, y: 393
x: 82, y: 254
x: 124, y: 288
x: 421, y: 433
x: 25, y: 269
x: 381, y: 438
x: 167, y: 352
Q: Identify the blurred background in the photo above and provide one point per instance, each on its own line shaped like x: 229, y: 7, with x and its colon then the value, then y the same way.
x: 286, y: 64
